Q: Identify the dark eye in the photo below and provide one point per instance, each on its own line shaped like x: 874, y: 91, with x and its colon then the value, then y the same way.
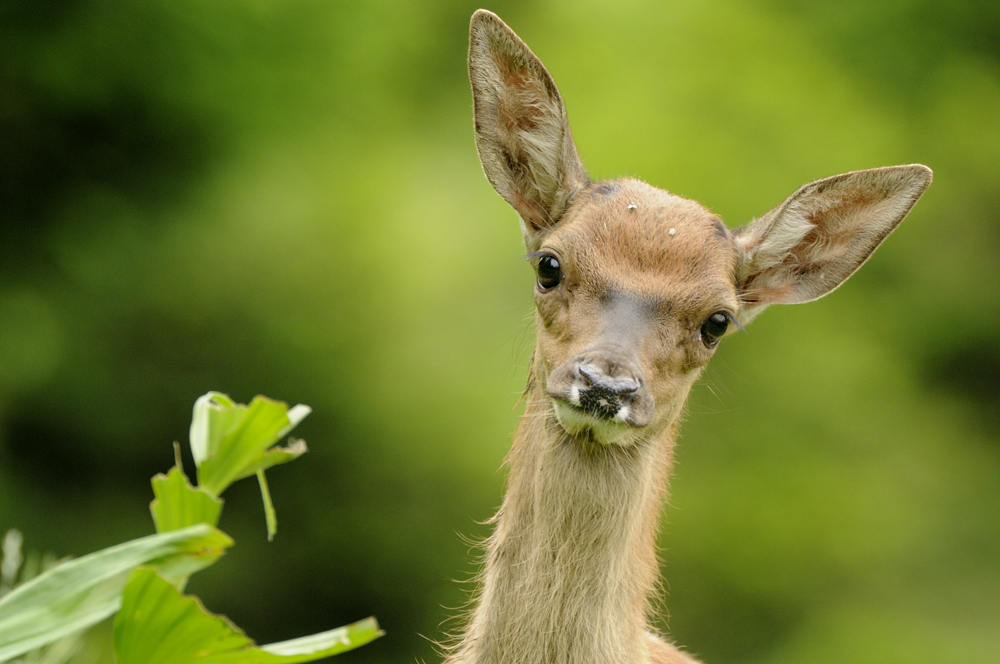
x: 713, y: 328
x: 549, y: 273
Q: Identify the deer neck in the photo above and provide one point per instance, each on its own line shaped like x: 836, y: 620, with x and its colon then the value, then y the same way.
x: 571, y: 566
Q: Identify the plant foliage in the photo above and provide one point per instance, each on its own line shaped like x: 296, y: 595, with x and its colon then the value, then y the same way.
x: 142, y: 580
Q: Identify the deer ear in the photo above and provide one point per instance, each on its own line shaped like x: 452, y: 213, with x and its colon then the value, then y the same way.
x: 522, y: 135
x: 811, y: 243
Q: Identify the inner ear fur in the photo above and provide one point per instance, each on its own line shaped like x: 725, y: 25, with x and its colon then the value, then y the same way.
x: 523, y: 138
x: 810, y: 244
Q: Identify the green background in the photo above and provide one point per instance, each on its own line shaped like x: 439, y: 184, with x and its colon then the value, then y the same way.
x: 284, y: 198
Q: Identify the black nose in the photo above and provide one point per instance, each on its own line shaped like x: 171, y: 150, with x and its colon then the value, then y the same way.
x: 601, y: 394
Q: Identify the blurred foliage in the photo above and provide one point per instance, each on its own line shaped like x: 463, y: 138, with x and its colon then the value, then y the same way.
x: 285, y: 197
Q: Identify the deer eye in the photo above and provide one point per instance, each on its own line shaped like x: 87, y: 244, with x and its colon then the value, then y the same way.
x: 549, y: 272
x: 713, y: 328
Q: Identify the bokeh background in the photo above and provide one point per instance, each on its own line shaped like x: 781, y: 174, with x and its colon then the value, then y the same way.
x: 284, y: 198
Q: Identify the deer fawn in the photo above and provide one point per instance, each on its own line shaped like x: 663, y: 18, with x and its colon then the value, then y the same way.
x: 635, y: 288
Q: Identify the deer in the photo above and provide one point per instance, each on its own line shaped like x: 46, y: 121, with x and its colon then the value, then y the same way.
x: 634, y: 290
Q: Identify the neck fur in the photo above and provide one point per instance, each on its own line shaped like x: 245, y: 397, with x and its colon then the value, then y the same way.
x: 571, y: 565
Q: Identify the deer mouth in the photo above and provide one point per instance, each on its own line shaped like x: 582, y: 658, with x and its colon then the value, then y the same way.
x: 602, y: 423
x: 610, y: 413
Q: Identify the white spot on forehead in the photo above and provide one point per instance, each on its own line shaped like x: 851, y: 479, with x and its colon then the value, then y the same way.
x: 632, y: 206
x: 672, y: 231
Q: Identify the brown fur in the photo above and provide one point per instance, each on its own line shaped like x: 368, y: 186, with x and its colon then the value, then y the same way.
x: 571, y: 565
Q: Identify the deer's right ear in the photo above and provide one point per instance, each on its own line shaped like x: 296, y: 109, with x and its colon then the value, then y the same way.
x: 522, y: 135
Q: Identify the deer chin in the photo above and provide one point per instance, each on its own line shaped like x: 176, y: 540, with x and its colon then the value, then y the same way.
x: 579, y: 423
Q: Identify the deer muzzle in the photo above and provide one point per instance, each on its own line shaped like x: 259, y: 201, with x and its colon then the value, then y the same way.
x: 602, y: 387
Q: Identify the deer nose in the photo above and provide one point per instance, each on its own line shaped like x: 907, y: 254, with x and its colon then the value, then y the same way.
x: 603, y: 386
x: 600, y: 394
x: 594, y: 379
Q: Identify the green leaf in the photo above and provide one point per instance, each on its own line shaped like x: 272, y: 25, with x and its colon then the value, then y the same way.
x: 214, y: 414
x: 325, y: 644
x: 295, y: 414
x: 270, y: 516
x: 179, y: 505
x: 84, y: 591
x: 247, y: 440
x: 159, y: 625
x: 275, y: 456
x: 230, y: 441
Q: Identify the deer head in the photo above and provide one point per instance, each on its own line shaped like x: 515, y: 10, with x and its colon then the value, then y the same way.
x: 636, y: 286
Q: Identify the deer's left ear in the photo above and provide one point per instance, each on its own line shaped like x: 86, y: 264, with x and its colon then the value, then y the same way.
x: 811, y: 243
